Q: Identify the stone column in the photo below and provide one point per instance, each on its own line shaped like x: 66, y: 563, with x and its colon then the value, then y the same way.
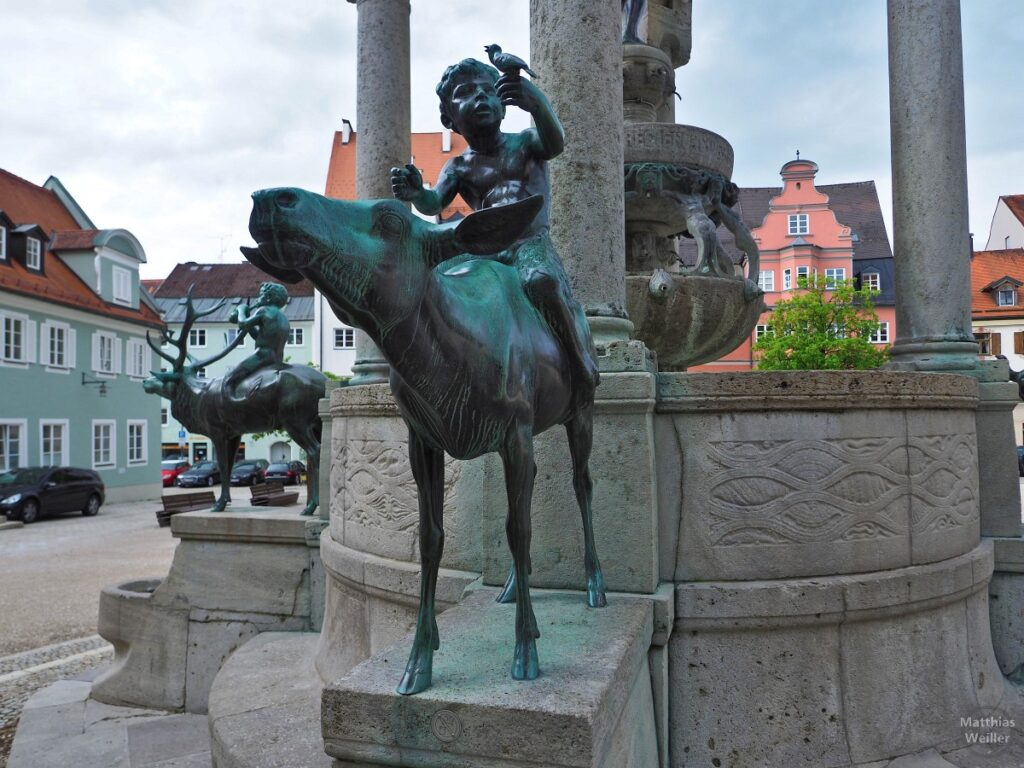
x: 576, y: 46
x: 383, y: 126
x: 929, y: 180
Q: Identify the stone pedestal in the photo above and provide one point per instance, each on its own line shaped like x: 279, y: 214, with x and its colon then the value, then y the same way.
x: 235, y: 574
x: 592, y: 705
x: 997, y: 450
x: 1006, y: 606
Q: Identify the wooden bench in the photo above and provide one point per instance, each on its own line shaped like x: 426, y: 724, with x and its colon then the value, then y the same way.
x: 183, y: 502
x: 272, y: 494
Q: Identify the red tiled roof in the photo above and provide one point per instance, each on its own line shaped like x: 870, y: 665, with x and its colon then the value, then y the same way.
x: 426, y: 155
x: 215, y: 281
x: 73, y: 239
x: 27, y: 203
x: 988, y: 267
x: 151, y: 285
x: 1016, y: 205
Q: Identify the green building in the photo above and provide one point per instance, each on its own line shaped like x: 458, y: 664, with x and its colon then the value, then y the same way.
x: 73, y: 355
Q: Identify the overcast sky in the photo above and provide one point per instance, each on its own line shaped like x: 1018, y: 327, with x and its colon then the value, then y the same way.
x: 162, y: 116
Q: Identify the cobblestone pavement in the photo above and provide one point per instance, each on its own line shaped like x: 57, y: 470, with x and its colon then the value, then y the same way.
x: 22, y: 674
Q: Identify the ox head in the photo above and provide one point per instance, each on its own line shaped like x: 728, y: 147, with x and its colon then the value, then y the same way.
x: 357, y: 252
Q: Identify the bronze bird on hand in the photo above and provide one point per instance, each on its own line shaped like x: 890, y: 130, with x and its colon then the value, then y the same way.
x: 506, y: 63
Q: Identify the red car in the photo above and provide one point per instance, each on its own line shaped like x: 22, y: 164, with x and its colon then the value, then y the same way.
x: 170, y: 469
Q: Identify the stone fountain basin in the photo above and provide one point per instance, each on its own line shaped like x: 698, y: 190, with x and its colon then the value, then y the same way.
x: 699, y: 319
x: 678, y: 144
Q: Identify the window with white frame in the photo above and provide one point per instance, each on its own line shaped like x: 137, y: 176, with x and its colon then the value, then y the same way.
x: 106, y: 353
x: 1006, y: 297
x: 881, y: 334
x: 871, y: 281
x: 104, y: 445
x: 3, y: 243
x: 787, y: 279
x: 798, y: 224
x: 835, y: 275
x: 201, y: 373
x: 33, y: 253
x: 231, y: 335
x: 122, y: 279
x: 197, y: 337
x: 53, y: 442
x: 15, y: 338
x: 808, y: 274
x: 344, y: 338
x: 58, y: 345
x: 137, y: 357
x: 163, y: 417
x: 766, y: 280
x: 837, y: 331
x: 12, y: 444
x: 136, y: 443
x: 295, y: 337
x: 760, y: 331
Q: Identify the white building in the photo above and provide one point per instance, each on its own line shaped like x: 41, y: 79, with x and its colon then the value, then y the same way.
x: 1007, y: 228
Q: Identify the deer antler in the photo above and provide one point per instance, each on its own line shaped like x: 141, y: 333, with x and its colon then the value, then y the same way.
x: 202, y: 364
x: 168, y: 338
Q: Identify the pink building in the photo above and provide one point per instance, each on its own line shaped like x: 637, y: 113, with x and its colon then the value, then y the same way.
x: 832, y: 232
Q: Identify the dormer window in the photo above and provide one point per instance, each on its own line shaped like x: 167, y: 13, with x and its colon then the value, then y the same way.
x: 1006, y: 297
x: 33, y: 253
x: 798, y: 224
x: 122, y: 285
x: 3, y: 243
x: 871, y: 281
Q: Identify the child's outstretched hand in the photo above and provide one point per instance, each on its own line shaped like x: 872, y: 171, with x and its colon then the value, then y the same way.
x: 517, y: 92
x: 406, y: 183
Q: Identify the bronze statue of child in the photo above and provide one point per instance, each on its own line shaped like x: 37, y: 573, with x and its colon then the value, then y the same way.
x: 268, y: 326
x: 500, y: 168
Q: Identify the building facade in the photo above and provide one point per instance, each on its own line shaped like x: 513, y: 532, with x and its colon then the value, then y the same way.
x: 1007, y: 228
x: 73, y: 355
x: 230, y: 284
x: 829, y: 232
x: 997, y: 311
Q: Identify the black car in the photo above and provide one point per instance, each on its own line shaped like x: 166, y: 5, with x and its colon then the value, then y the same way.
x: 29, y: 492
x: 249, y: 471
x: 202, y: 473
x: 288, y: 472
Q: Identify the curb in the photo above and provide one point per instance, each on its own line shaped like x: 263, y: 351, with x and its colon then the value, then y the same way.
x: 11, y: 524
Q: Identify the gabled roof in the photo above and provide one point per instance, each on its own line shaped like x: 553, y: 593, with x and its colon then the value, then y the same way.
x: 1002, y: 281
x: 988, y: 268
x: 218, y: 281
x: 1016, y: 205
x: 427, y: 155
x: 26, y: 204
x: 855, y: 205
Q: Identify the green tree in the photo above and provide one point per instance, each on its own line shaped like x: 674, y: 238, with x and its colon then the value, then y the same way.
x: 823, y: 327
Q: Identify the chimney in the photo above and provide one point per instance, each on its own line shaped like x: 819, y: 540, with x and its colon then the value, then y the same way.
x: 446, y: 140
x: 346, y: 131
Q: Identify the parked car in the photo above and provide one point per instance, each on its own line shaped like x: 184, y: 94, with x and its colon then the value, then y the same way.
x: 249, y: 471
x: 171, y: 469
x: 201, y: 473
x: 1020, y: 460
x: 289, y: 473
x: 30, y: 492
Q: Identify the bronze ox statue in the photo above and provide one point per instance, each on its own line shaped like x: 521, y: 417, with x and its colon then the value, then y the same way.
x: 474, y: 367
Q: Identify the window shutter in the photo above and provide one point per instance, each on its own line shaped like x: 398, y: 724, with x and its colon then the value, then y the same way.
x: 117, y: 355
x: 31, y: 345
x: 996, y: 343
x: 1018, y: 343
x: 147, y: 359
x: 95, y: 351
x: 71, y: 348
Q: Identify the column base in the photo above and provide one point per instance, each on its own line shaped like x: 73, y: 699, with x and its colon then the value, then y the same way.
x: 609, y: 328
x: 370, y: 371
x: 934, y: 355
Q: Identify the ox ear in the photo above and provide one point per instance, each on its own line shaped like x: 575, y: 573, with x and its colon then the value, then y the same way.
x: 255, y: 258
x: 489, y: 231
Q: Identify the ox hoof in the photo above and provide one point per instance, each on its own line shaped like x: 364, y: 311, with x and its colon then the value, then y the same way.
x: 419, y: 670
x: 308, y: 511
x: 595, y: 592
x: 220, y: 506
x: 524, y: 663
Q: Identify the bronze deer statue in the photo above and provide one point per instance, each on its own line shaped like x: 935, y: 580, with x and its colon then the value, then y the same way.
x: 283, y: 397
x: 475, y: 368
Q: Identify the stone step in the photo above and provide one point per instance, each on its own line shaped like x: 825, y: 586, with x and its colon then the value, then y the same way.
x: 264, y: 706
